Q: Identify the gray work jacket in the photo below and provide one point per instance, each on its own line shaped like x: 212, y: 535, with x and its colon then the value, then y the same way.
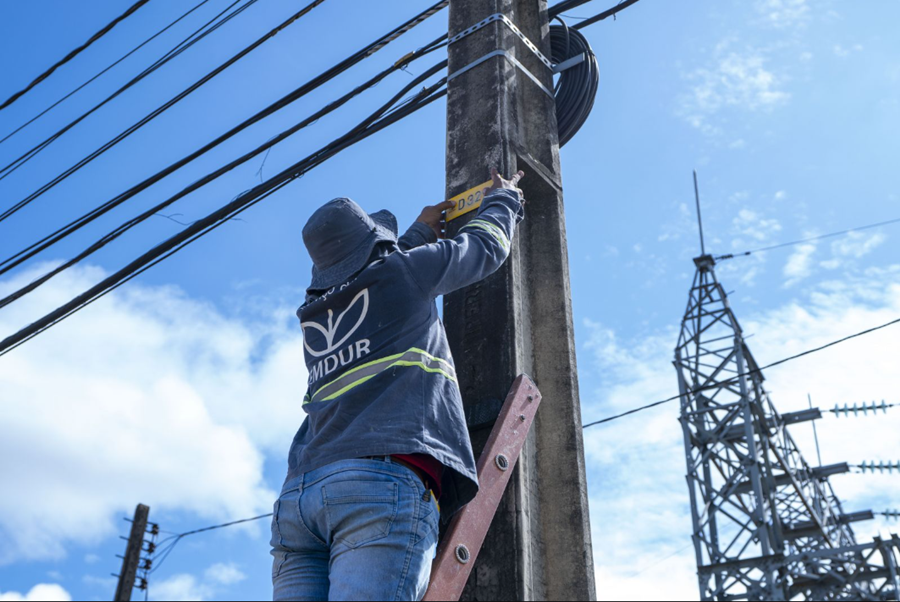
x: 381, y: 377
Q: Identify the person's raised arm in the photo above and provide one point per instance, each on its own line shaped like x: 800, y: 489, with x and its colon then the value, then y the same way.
x: 478, y: 249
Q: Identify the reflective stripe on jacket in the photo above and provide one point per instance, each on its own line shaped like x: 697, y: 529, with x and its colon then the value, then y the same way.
x: 381, y: 377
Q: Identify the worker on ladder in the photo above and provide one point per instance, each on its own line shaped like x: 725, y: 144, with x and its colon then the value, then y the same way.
x: 385, y: 436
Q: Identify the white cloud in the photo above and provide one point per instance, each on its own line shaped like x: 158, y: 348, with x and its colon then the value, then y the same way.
x: 731, y: 80
x: 799, y: 265
x: 842, y: 52
x: 893, y: 72
x: 636, y: 474
x: 751, y: 225
x: 783, y: 13
x: 179, y: 588
x: 107, y: 584
x: 188, y: 587
x: 225, y: 574
x: 854, y: 245
x: 146, y: 396
x: 749, y: 231
x: 857, y: 244
x: 739, y: 197
x: 636, y: 465
x: 684, y: 225
x: 38, y: 592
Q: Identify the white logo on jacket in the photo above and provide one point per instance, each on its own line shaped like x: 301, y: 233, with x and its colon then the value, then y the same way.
x: 329, y: 331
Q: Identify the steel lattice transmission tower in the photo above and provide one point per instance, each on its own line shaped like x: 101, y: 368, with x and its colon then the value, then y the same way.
x: 767, y: 525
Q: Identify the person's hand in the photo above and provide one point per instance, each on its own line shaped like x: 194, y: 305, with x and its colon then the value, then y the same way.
x: 500, y: 183
x: 433, y: 216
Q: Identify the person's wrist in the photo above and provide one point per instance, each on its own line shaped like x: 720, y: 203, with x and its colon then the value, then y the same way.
x: 429, y: 230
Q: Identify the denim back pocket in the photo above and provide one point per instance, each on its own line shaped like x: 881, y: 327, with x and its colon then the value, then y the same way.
x: 279, y: 554
x: 360, y: 512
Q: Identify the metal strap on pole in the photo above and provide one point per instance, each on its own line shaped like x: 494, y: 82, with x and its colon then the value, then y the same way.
x: 512, y: 26
x: 501, y: 18
x: 569, y: 63
x: 508, y: 57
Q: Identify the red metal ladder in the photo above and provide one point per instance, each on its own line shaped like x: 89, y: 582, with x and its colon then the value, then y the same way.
x: 461, y: 543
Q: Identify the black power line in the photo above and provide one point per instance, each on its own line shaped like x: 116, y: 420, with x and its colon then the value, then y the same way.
x: 23, y: 255
x: 222, y: 526
x: 170, y: 542
x: 147, y: 119
x: 74, y: 53
x: 5, y: 171
x: 612, y: 12
x: 91, y: 80
x: 208, y: 28
x: 560, y: 7
x: 163, y: 552
x: 116, y: 233
x: 806, y: 240
x: 122, y: 229
x: 379, y: 120
x: 175, y: 538
x: 385, y: 116
x: 737, y: 378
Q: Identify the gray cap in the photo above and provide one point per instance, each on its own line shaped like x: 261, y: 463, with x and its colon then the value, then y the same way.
x: 340, y: 237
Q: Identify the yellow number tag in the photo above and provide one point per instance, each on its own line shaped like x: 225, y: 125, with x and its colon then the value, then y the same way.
x: 467, y: 201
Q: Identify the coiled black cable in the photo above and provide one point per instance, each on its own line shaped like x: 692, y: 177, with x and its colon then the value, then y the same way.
x: 577, y: 85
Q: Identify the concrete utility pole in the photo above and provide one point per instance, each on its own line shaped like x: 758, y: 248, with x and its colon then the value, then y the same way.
x: 132, y: 558
x: 519, y: 319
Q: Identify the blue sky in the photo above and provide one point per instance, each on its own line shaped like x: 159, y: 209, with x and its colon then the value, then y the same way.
x: 182, y: 390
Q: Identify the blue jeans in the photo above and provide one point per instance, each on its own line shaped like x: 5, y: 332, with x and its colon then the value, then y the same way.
x: 354, y: 530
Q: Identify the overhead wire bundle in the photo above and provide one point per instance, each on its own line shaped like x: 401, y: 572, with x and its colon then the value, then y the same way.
x: 576, y: 90
x: 304, y: 89
x: 575, y: 94
x: 391, y: 112
x: 208, y: 28
x: 387, y: 115
x: 105, y: 70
